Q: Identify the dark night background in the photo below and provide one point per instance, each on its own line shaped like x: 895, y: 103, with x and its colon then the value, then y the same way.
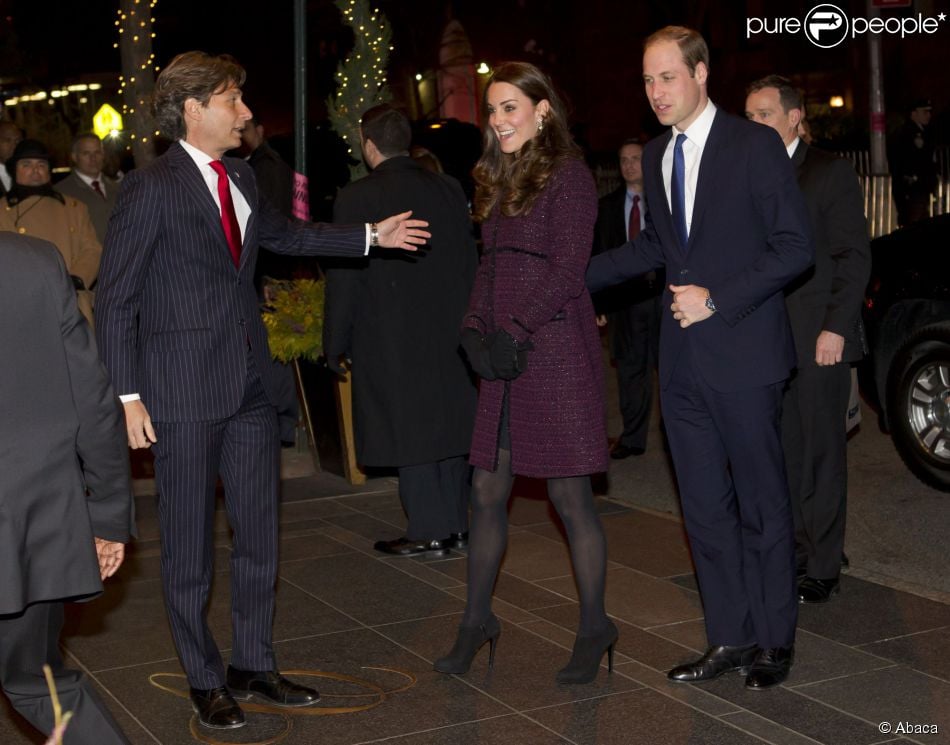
x: 592, y: 49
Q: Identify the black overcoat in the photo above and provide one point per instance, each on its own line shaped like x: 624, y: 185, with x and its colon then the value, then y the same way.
x: 397, y: 316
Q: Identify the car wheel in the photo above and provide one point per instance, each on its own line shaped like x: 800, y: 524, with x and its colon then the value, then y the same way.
x: 918, y: 404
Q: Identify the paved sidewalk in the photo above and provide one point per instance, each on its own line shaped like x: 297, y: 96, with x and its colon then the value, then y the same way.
x: 367, y: 628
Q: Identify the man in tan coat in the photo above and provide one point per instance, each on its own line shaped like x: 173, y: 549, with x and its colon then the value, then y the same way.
x: 33, y: 207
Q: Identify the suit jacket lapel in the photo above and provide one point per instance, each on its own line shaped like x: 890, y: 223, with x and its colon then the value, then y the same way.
x: 245, y: 190
x: 190, y: 177
x: 798, y: 157
x: 619, y: 227
x: 708, y: 168
x: 661, y: 213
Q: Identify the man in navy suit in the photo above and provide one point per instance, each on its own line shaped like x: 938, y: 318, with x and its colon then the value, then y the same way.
x: 824, y: 307
x: 727, y: 221
x: 181, y: 335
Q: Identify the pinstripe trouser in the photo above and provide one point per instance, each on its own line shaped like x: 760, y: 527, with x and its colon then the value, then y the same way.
x: 189, y: 456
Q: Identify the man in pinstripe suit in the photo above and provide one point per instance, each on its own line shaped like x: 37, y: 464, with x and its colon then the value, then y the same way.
x: 181, y: 335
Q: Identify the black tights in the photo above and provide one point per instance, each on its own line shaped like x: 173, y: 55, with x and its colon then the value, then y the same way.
x: 574, y: 501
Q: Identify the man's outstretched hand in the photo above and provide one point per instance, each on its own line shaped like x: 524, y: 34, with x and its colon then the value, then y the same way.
x: 399, y: 231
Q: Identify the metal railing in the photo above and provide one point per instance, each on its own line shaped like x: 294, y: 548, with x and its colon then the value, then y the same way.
x: 878, y: 201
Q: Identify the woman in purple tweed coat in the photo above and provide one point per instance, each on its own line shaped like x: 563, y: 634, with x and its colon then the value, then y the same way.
x: 530, y: 335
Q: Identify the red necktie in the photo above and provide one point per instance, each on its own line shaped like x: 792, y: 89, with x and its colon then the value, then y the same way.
x: 229, y: 221
x: 98, y: 189
x: 633, y: 228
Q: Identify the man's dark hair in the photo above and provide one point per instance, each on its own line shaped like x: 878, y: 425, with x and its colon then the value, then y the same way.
x: 691, y: 43
x: 630, y: 141
x: 788, y: 94
x: 388, y: 128
x: 84, y: 136
x: 191, y: 75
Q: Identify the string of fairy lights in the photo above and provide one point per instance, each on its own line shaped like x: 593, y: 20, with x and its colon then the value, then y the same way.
x: 361, y: 77
x: 136, y: 24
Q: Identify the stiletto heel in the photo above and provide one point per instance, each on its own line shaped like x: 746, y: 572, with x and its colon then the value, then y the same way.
x: 587, y: 654
x: 470, y: 639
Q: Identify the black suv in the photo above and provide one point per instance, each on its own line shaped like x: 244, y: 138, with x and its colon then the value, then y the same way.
x: 907, y: 315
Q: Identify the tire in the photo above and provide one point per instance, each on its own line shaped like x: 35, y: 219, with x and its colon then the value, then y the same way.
x: 918, y: 404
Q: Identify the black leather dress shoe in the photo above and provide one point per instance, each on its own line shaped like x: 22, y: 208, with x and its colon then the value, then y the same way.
x: 456, y: 540
x: 408, y: 547
x: 216, y: 708
x: 271, y: 686
x: 811, y: 590
x: 619, y: 452
x: 770, y: 668
x: 715, y: 662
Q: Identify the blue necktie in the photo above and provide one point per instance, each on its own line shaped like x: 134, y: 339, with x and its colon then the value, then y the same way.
x: 678, y: 190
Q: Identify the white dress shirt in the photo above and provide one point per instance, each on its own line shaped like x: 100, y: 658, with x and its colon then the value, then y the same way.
x: 696, y: 136
x: 241, y: 208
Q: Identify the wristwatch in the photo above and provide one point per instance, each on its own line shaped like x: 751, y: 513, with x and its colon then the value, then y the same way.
x: 373, y: 235
x: 709, y: 303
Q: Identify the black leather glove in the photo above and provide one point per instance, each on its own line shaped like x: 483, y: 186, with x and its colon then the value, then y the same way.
x: 476, y: 349
x: 508, y: 358
x: 78, y: 284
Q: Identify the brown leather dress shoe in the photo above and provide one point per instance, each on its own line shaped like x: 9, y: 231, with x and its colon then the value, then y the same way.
x: 770, y: 668
x: 216, y: 708
x: 271, y: 686
x: 715, y: 662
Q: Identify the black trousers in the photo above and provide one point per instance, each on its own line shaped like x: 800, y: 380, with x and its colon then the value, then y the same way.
x: 288, y: 410
x: 727, y: 452
x: 634, y: 338
x: 816, y: 442
x: 435, y: 498
x: 30, y: 639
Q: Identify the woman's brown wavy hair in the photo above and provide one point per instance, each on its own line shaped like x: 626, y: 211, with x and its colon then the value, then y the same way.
x: 515, y: 179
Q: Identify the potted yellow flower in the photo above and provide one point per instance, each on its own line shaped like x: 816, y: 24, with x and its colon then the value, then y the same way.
x: 293, y: 316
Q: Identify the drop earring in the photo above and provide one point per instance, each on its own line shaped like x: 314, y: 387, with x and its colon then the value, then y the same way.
x: 540, y: 124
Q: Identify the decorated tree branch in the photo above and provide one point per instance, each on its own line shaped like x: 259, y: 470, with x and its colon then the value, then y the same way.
x: 361, y: 77
x: 135, y: 26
